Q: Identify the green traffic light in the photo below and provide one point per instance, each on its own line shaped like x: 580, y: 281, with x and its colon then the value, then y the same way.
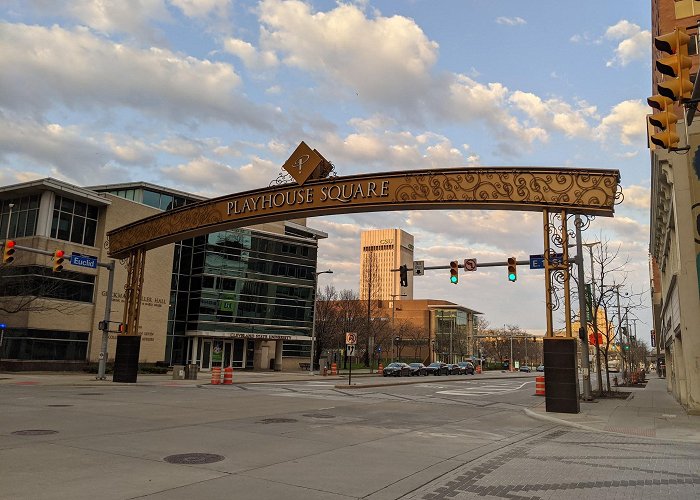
x: 453, y: 279
x: 511, y: 276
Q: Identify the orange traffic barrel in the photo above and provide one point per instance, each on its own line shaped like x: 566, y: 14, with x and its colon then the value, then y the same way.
x: 539, y: 386
x: 478, y: 368
x: 380, y: 370
x: 228, y: 375
x: 334, y: 369
x: 216, y: 376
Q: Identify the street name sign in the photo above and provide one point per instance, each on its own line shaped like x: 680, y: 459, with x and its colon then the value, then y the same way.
x: 537, y: 261
x: 81, y: 260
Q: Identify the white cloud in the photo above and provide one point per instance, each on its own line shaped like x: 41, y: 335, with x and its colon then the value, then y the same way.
x: 201, y: 8
x: 250, y: 56
x: 384, y: 60
x: 69, y: 153
x: 213, y: 178
x: 555, y: 114
x: 636, y: 196
x: 41, y: 68
x: 626, y: 121
x: 635, y: 43
x: 510, y: 21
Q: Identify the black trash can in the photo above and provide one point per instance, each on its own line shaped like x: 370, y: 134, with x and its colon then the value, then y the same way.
x: 191, y: 372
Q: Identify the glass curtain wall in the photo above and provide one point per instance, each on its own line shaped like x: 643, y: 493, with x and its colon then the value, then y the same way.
x: 451, y: 335
x: 242, y: 281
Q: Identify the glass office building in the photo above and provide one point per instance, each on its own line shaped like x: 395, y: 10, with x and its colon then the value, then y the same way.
x: 240, y: 298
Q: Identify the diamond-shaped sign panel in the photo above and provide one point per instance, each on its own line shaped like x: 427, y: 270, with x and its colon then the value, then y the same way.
x: 302, y: 163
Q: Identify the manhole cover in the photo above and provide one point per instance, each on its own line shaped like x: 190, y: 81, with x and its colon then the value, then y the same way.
x: 58, y: 406
x: 278, y: 420
x: 91, y: 394
x: 194, y: 458
x: 34, y: 432
x: 319, y: 415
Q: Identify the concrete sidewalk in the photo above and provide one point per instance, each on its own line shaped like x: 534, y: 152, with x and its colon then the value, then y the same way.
x: 649, y: 412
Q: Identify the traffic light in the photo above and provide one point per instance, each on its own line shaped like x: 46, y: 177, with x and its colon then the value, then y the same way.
x: 58, y: 261
x: 121, y: 328
x: 512, y: 269
x: 454, y: 272
x: 8, y: 254
x: 676, y: 65
x: 665, y: 120
x: 403, y: 272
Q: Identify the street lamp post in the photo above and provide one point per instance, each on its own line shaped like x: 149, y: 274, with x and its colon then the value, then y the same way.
x: 9, y: 219
x: 313, y: 320
x: 585, y: 361
x: 594, y: 313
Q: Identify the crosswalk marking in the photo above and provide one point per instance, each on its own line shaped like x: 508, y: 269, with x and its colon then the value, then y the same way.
x: 485, y: 390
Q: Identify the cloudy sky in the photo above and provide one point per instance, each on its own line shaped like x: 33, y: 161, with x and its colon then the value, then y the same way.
x: 212, y: 96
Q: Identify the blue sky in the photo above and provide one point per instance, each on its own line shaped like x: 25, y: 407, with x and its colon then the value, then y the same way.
x: 212, y: 96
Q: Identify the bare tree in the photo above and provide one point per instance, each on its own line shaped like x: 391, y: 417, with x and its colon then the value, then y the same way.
x: 328, y: 319
x: 371, y: 328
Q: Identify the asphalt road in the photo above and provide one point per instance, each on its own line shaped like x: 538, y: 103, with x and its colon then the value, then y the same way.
x: 443, y: 437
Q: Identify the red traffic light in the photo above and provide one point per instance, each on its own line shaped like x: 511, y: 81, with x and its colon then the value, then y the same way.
x: 8, y: 254
x: 58, y: 261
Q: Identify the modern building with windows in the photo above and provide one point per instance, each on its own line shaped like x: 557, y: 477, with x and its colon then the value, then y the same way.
x: 382, y: 250
x: 241, y: 298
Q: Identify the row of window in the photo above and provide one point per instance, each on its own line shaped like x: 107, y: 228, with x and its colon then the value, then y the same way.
x: 21, y: 217
x: 44, y: 345
x: 74, y: 221
x: 40, y: 281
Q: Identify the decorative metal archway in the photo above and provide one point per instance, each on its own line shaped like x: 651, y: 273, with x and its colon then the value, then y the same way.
x: 556, y: 192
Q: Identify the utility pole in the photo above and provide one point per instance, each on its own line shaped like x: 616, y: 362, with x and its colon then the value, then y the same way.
x: 510, y: 365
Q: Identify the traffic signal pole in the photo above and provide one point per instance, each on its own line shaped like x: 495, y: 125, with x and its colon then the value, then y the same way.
x: 101, y: 369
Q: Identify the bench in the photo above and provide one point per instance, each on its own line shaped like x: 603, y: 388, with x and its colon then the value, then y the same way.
x: 304, y: 366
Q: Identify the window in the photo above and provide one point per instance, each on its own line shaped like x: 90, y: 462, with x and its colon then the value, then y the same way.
x: 45, y: 345
x: 686, y: 8
x: 28, y: 281
x: 25, y: 212
x: 74, y: 221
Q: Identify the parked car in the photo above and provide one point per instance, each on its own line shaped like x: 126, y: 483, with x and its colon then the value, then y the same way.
x: 397, y: 370
x: 540, y: 368
x: 437, y: 368
x: 418, y: 369
x: 466, y: 368
x: 525, y: 369
x: 453, y: 369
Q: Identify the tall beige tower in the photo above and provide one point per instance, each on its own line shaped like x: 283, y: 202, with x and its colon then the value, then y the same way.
x: 382, y: 250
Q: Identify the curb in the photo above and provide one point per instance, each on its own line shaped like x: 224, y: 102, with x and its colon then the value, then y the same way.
x: 560, y: 421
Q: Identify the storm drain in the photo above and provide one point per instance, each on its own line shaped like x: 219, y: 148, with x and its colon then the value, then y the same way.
x: 194, y: 458
x: 34, y: 432
x: 277, y: 420
x: 319, y: 415
x: 58, y: 406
